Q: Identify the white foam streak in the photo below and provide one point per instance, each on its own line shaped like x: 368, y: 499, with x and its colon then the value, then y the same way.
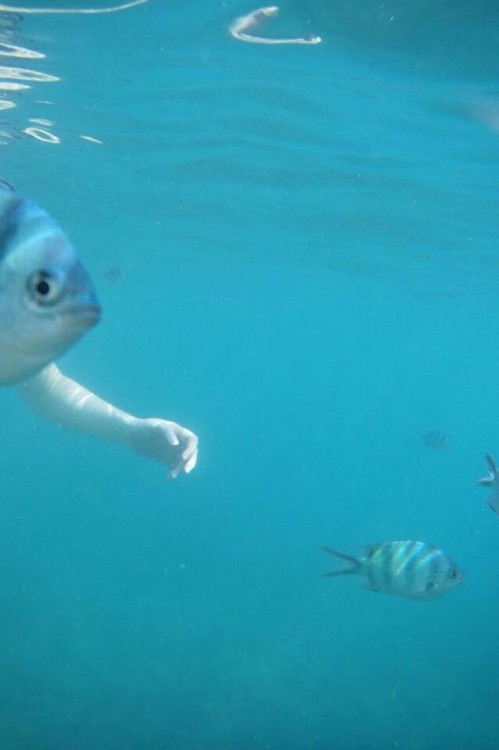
x: 72, y: 11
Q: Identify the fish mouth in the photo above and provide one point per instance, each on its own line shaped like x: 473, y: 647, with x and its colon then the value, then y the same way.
x: 87, y: 315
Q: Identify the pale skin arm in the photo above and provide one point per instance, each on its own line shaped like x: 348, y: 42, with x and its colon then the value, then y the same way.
x: 64, y: 401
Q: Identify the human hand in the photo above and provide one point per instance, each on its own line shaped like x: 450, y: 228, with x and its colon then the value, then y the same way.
x: 166, y: 442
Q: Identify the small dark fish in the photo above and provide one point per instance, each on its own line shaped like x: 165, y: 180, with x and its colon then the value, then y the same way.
x: 434, y: 440
x: 6, y: 185
x: 492, y: 481
x: 113, y: 274
x: 408, y: 568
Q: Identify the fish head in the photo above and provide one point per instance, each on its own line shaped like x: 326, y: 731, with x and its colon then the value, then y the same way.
x: 454, y: 576
x: 446, y: 576
x: 47, y: 301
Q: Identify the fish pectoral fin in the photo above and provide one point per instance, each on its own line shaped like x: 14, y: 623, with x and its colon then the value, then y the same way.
x: 492, y: 507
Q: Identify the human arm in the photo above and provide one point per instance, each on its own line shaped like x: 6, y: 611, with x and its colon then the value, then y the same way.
x: 66, y: 402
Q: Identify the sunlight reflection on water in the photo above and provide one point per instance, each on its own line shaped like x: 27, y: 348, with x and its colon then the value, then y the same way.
x: 11, y: 18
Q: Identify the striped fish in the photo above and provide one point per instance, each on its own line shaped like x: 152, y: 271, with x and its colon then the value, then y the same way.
x: 411, y: 569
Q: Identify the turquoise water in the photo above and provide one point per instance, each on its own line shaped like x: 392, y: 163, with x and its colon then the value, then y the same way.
x: 296, y: 250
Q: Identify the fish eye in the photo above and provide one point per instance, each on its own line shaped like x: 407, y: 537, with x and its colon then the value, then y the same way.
x: 454, y: 573
x: 44, y: 288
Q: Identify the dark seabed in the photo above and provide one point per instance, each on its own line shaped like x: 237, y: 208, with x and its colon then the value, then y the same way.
x: 297, y: 252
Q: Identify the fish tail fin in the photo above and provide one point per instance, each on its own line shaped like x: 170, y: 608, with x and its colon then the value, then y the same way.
x: 355, y: 563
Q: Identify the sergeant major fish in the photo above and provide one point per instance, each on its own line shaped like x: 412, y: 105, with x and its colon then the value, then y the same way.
x: 411, y: 569
x: 46, y: 297
x: 491, y: 480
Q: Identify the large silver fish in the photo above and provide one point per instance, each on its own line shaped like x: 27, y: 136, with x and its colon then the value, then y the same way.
x: 46, y: 297
x: 411, y: 569
x: 492, y: 481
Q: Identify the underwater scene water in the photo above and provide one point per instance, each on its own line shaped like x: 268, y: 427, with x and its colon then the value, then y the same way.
x: 296, y: 249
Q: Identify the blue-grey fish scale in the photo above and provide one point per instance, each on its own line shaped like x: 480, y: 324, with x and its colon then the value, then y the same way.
x: 9, y: 211
x: 412, y: 569
x: 19, y: 218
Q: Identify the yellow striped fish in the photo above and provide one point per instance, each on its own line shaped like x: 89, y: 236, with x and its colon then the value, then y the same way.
x: 408, y: 568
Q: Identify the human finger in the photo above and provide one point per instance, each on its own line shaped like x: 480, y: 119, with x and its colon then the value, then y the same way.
x: 190, y: 464
x: 169, y: 431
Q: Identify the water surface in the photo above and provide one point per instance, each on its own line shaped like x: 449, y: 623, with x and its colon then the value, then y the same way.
x: 296, y: 252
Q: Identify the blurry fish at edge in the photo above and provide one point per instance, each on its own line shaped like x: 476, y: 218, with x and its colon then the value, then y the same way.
x: 47, y: 301
x: 492, y: 481
x: 408, y: 568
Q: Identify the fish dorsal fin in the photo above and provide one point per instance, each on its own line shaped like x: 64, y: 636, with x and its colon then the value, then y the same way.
x: 372, y: 548
x: 491, y: 464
